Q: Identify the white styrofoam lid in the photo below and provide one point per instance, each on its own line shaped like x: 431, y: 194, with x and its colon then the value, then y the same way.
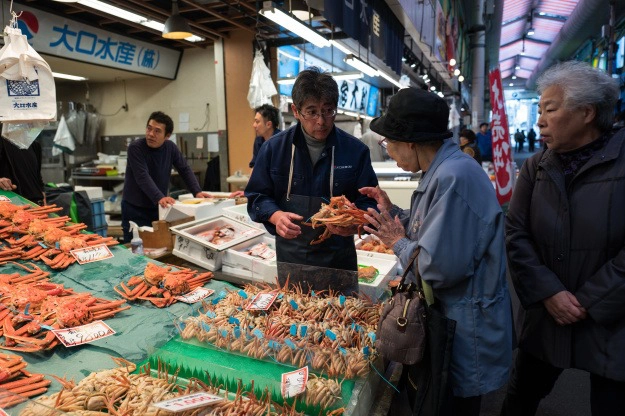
x: 193, y: 230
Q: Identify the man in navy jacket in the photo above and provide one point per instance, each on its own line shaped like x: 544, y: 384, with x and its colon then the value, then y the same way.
x: 306, y: 165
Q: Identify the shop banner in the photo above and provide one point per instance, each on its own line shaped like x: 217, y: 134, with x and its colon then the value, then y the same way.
x: 58, y: 36
x: 502, y: 150
x: 362, y: 20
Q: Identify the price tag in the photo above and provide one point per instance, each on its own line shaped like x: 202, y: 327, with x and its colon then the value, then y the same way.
x: 84, y: 334
x: 262, y: 301
x: 195, y: 295
x: 294, y: 383
x: 190, y: 401
x: 91, y: 254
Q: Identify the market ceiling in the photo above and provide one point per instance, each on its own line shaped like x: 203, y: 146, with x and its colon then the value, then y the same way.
x: 214, y: 19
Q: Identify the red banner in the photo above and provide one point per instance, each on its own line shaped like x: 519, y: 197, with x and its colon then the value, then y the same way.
x: 502, y: 150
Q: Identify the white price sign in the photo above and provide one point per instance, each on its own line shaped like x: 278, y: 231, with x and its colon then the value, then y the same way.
x: 84, y: 334
x: 262, y: 301
x: 196, y: 295
x: 190, y: 401
x: 294, y: 383
x: 91, y: 254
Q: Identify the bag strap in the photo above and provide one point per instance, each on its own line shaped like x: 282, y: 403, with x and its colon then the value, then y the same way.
x: 411, y: 287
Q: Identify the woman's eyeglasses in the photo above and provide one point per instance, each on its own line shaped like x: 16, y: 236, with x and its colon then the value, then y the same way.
x: 383, y: 143
x: 314, y: 115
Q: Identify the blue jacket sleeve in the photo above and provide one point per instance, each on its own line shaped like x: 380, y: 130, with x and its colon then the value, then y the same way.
x: 261, y: 203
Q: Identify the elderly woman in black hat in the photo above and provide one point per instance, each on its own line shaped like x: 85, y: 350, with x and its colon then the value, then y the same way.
x: 457, y: 224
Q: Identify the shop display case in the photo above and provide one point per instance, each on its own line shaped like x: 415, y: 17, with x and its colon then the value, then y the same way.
x: 204, y: 241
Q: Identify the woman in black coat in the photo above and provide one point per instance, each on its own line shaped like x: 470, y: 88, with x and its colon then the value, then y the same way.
x: 565, y: 238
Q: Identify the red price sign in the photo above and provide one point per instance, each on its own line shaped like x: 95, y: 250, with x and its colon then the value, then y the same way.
x: 262, y: 301
x: 294, y: 383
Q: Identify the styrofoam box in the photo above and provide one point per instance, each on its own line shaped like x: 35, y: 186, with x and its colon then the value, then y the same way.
x: 387, y: 269
x: 366, y: 253
x: 189, y: 246
x: 239, y: 212
x: 259, y: 269
x: 93, y: 192
x: 204, y: 208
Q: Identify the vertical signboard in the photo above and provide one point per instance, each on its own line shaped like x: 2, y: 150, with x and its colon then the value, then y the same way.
x: 502, y: 150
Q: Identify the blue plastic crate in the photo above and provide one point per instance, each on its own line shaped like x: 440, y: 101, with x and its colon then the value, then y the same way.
x: 99, y: 220
x: 101, y: 231
x: 97, y: 207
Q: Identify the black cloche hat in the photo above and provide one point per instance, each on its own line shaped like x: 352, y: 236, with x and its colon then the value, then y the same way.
x: 414, y: 115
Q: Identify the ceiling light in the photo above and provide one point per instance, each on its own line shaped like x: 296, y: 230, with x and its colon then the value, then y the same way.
x: 511, y: 84
x: 513, y: 76
x: 432, y: 88
x: 176, y: 27
x: 389, y: 79
x: 452, y: 62
x: 67, y: 1
x: 338, y: 76
x: 340, y: 47
x: 456, y: 72
x: 120, y: 13
x: 461, y: 78
x: 530, y: 32
x: 517, y: 66
x: 360, y: 65
x: 293, y: 24
x: 300, y: 10
x: 67, y: 76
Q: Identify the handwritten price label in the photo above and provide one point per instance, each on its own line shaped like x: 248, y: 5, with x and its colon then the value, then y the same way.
x: 195, y: 296
x: 91, y: 254
x: 84, y: 334
x: 262, y: 301
x: 294, y: 383
x: 190, y: 401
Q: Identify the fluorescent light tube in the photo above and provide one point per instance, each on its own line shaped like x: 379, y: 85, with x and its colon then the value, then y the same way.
x: 67, y: 76
x: 360, y: 65
x: 389, y: 78
x: 347, y: 75
x: 120, y: 13
x: 293, y: 25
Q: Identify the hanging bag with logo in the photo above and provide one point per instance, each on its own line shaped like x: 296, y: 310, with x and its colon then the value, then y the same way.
x: 401, y: 334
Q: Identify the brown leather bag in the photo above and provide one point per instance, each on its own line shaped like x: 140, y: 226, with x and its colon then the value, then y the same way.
x: 401, y: 331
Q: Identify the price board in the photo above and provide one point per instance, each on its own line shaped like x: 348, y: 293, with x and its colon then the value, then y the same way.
x: 294, y: 382
x: 190, y: 401
x: 262, y: 301
x: 195, y: 295
x: 91, y: 254
x: 84, y: 334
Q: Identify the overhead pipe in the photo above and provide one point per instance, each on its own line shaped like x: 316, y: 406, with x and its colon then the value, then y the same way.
x: 584, y: 22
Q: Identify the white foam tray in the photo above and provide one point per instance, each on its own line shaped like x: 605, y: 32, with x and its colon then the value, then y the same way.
x: 255, y: 268
x: 387, y: 269
x: 239, y: 212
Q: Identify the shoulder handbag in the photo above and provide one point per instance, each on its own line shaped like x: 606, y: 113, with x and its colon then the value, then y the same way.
x: 401, y: 331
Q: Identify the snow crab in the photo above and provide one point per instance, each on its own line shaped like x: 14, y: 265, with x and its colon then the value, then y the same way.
x: 159, y: 284
x: 339, y: 211
x: 16, y: 384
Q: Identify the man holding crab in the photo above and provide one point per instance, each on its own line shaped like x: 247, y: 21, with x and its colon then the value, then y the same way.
x: 301, y: 168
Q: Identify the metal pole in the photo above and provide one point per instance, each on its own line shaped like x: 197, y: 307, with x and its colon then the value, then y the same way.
x: 478, y: 54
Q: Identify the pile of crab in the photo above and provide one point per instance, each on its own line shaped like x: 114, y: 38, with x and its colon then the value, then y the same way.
x: 339, y: 211
x: 31, y: 305
x: 332, y: 334
x: 120, y: 392
x: 17, y: 384
x: 30, y: 234
x: 161, y: 285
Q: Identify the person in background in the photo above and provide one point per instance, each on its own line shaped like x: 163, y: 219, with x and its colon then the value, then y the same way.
x: 457, y: 224
x: 265, y: 125
x: 306, y: 165
x: 20, y: 170
x: 519, y: 138
x: 468, y: 144
x: 485, y: 142
x: 565, y: 237
x: 371, y: 139
x: 146, y: 184
x: 531, y: 140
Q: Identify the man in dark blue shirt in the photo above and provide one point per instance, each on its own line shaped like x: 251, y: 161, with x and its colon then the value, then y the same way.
x: 485, y: 142
x: 302, y: 167
x: 265, y: 125
x: 148, y: 171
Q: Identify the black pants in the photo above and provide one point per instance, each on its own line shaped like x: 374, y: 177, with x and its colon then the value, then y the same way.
x: 533, y: 379
x: 139, y: 215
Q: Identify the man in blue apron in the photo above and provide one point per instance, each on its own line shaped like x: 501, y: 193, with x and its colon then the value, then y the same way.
x: 298, y: 170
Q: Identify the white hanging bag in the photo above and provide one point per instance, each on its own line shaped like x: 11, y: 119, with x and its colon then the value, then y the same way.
x: 27, y: 89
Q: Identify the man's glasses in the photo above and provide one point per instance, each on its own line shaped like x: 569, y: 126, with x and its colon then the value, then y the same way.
x: 314, y: 115
x: 383, y: 143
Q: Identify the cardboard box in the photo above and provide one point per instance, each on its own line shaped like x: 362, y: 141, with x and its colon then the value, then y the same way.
x: 162, y: 235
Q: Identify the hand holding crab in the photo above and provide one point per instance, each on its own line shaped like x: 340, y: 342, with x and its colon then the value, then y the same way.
x: 389, y: 230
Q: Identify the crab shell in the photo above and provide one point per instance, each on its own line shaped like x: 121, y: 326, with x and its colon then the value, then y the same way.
x: 176, y: 285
